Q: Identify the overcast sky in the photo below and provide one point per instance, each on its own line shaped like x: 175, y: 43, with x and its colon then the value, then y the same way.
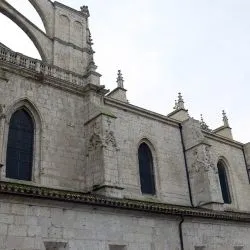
x: 200, y: 48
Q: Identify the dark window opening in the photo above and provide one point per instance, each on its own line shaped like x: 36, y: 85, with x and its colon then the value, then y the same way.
x: 20, y: 146
x: 146, y: 169
x: 224, y: 182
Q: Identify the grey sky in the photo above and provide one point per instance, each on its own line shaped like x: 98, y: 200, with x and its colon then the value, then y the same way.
x: 198, y: 47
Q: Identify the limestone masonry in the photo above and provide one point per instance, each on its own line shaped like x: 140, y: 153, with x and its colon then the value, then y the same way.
x: 82, y: 168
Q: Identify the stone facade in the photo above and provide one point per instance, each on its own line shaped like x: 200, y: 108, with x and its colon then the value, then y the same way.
x: 85, y: 190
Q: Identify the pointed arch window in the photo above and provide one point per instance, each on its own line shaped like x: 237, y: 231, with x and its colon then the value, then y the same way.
x: 224, y: 182
x: 146, y: 169
x: 20, y: 146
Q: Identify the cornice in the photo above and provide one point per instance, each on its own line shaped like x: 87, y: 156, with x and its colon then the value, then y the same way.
x: 223, y: 139
x: 114, y: 90
x: 176, y: 111
x: 91, y: 199
x: 137, y: 110
x: 80, y: 13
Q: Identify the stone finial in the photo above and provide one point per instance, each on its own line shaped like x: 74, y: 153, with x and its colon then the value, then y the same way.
x: 225, y: 119
x: 203, y: 124
x: 180, y: 103
x: 119, y: 79
x: 85, y: 10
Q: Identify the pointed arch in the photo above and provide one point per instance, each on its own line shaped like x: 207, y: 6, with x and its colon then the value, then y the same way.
x: 30, y: 108
x: 22, y: 111
x: 224, y: 184
x: 146, y: 169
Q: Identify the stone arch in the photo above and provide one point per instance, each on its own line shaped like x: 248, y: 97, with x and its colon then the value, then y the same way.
x: 39, y: 38
x: 77, y: 34
x: 46, y: 23
x: 31, y: 109
x: 64, y: 28
x: 26, y: 7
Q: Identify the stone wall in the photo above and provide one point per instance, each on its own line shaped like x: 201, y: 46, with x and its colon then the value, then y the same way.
x: 62, y: 156
x: 215, y: 235
x: 165, y: 143
x: 33, y: 224
x: 29, y: 224
x: 237, y: 174
x: 59, y: 147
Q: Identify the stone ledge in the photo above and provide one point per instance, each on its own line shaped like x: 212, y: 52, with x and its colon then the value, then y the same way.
x: 141, y: 111
x: 90, y: 199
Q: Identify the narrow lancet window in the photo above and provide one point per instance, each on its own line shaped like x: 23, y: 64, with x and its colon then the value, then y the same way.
x: 146, y: 169
x: 20, y: 146
x: 224, y: 182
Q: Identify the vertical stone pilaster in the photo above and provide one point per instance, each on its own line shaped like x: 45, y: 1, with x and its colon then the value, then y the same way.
x: 102, y: 175
x: 202, y: 166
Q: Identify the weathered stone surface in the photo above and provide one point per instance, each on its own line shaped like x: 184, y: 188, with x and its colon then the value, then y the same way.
x: 87, y: 142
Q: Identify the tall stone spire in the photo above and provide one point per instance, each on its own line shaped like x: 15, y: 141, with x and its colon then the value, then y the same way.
x: 225, y: 119
x: 119, y: 79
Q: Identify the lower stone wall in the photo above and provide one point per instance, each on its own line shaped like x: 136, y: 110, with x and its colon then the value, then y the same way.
x: 31, y: 224
x: 215, y: 235
x: 38, y: 224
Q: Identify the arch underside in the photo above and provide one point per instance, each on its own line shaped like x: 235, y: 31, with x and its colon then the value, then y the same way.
x: 39, y: 39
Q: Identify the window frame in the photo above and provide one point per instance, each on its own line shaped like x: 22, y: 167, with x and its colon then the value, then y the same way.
x: 12, y: 170
x: 228, y: 187
x: 31, y: 109
x: 153, y: 174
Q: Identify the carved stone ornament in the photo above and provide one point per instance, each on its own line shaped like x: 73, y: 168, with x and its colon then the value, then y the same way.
x: 110, y: 140
x: 203, y: 160
x: 95, y: 141
x: 85, y: 10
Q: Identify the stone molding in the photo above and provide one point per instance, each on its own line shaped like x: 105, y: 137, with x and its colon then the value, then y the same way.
x: 87, y: 50
x: 52, y: 81
x: 138, y: 110
x: 98, y: 200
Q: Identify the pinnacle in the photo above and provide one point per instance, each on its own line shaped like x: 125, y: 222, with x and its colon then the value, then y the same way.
x: 119, y: 79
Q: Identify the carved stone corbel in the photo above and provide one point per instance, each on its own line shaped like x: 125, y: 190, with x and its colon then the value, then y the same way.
x: 202, y: 159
